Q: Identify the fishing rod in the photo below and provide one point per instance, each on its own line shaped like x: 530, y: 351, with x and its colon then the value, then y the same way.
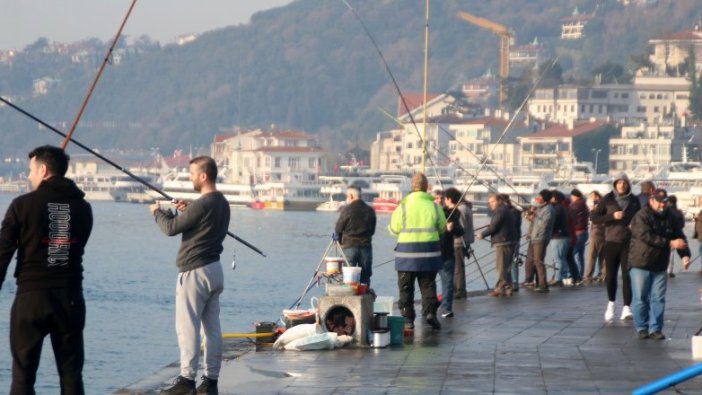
x: 116, y: 166
x: 97, y: 77
x: 394, y: 81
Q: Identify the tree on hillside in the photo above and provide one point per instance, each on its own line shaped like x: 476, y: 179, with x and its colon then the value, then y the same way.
x: 611, y: 73
x: 639, y: 62
x: 695, y: 87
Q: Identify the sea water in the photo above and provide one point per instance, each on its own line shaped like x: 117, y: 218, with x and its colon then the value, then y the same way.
x: 129, y: 286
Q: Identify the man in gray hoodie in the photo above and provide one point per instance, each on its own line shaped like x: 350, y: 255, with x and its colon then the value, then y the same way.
x: 615, y: 211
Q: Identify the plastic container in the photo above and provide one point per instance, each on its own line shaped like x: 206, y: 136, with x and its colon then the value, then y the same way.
x: 383, y: 304
x: 351, y: 274
x: 333, y: 264
x: 397, y: 326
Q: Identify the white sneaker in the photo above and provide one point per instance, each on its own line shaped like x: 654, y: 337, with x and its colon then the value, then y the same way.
x: 609, y: 313
x: 626, y: 314
x: 567, y: 282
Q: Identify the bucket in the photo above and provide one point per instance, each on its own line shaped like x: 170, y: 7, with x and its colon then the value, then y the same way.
x: 333, y: 264
x: 696, y: 347
x: 351, y: 274
x: 383, y: 304
x: 397, y: 326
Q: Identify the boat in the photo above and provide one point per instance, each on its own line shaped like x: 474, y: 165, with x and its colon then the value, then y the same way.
x: 14, y: 186
x: 335, y: 188
x: 180, y: 187
x: 115, y: 187
x: 391, y: 189
x: 298, y: 195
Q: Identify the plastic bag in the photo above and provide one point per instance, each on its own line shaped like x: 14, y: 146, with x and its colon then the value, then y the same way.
x: 296, y: 332
x: 323, y: 341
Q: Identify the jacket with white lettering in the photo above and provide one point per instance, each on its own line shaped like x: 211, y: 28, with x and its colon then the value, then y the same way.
x: 417, y: 222
x: 49, y: 228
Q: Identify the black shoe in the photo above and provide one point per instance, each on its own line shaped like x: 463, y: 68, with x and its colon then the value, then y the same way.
x: 431, y: 320
x: 643, y: 334
x: 671, y: 275
x: 539, y: 288
x: 448, y: 314
x: 181, y: 386
x: 656, y: 335
x: 460, y: 295
x: 207, y: 387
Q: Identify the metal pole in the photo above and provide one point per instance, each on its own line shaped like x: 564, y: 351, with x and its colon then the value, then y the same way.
x: 669, y: 381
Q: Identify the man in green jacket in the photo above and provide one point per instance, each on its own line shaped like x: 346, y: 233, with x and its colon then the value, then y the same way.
x: 417, y: 222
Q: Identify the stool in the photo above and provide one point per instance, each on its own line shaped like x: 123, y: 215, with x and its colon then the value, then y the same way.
x: 361, y: 307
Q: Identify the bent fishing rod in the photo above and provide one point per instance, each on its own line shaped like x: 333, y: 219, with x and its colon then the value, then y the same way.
x: 97, y: 78
x: 116, y: 166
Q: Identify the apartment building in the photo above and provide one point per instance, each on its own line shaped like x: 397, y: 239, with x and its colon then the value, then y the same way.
x: 260, y: 156
x: 642, y: 150
x: 672, y: 49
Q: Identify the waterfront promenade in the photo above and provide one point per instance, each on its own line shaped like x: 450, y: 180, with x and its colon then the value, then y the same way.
x: 553, y: 343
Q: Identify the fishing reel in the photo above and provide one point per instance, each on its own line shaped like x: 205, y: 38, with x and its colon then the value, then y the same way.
x: 234, y: 260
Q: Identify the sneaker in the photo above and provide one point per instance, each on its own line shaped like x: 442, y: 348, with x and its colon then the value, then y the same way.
x: 448, y: 314
x: 558, y: 283
x: 671, y: 275
x: 567, y: 282
x: 657, y: 335
x: 643, y: 334
x: 460, y: 295
x: 609, y: 313
x: 626, y: 314
x: 540, y: 289
x: 431, y: 320
x: 181, y: 386
x: 207, y: 387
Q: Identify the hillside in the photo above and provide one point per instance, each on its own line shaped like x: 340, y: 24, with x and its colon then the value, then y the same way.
x: 309, y: 66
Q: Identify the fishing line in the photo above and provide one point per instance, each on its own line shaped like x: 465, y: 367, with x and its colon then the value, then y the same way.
x: 116, y: 166
x: 97, y: 77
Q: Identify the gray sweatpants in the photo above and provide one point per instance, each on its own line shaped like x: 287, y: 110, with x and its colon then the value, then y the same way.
x: 197, y: 304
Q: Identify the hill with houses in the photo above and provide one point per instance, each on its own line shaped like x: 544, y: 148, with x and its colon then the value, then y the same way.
x: 309, y: 66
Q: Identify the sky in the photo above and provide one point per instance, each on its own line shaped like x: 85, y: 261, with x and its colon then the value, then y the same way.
x: 23, y: 21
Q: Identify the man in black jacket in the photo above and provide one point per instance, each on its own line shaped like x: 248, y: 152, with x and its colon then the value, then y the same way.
x: 49, y: 228
x: 503, y: 234
x: 653, y: 234
x: 355, y: 228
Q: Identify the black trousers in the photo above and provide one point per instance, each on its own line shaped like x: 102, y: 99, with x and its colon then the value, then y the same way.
x: 617, y: 255
x: 427, y: 287
x: 59, y: 313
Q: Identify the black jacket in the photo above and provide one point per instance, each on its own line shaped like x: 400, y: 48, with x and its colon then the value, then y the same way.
x: 447, y: 248
x: 651, y: 233
x: 356, y: 224
x: 615, y: 230
x: 49, y: 228
x: 502, y: 228
x: 560, y: 224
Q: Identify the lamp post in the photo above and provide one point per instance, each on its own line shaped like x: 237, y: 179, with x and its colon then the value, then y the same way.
x: 597, y: 155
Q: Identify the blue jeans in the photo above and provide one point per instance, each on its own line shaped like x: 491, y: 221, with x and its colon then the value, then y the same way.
x: 361, y: 256
x: 579, y: 251
x: 446, y: 274
x: 648, y: 303
x: 560, y: 249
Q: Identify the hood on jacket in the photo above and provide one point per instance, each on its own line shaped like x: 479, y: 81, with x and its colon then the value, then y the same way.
x: 621, y: 176
x: 61, y: 186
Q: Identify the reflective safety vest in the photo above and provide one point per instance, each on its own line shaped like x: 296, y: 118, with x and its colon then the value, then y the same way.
x: 418, y: 222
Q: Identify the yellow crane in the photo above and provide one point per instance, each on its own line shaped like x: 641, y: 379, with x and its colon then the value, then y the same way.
x: 505, y: 41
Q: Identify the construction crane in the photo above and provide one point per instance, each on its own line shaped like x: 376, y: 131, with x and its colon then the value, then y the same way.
x: 505, y: 40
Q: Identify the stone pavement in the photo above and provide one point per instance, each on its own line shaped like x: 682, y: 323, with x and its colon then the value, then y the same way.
x: 553, y: 343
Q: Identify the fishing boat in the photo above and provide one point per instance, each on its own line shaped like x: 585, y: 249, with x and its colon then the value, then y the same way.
x: 115, y: 187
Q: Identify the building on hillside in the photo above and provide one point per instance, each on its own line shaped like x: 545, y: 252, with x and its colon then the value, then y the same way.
x: 671, y: 50
x: 41, y: 86
x: 436, y: 105
x: 560, y: 145
x: 258, y: 156
x: 483, y: 90
x: 642, y: 150
x: 649, y: 99
x: 526, y: 56
x: 573, y: 26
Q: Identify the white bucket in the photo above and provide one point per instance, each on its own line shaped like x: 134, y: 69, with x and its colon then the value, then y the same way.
x: 351, y: 274
x: 696, y: 347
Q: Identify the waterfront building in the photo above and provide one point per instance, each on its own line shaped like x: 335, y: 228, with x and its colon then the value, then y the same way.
x: 250, y: 157
x: 643, y: 150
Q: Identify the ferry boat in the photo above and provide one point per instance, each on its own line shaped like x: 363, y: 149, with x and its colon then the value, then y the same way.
x: 391, y: 189
x: 300, y: 196
x: 180, y: 187
x: 116, y: 187
x: 335, y: 188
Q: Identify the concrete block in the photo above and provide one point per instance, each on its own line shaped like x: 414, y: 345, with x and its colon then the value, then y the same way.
x: 361, y: 307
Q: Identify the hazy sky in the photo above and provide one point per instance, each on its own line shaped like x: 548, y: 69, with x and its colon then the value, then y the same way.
x: 23, y: 21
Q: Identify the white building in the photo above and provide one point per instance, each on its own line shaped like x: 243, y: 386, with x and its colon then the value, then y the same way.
x: 671, y: 50
x: 257, y: 156
x: 642, y: 150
